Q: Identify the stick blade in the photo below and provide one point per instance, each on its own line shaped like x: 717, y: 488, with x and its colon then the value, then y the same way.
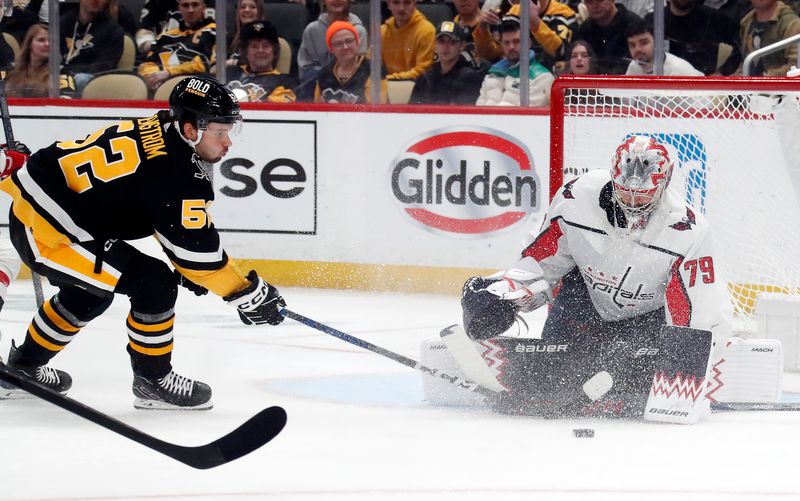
x: 252, y: 434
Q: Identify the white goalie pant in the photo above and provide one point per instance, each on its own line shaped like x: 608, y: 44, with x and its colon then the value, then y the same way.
x: 9, y: 262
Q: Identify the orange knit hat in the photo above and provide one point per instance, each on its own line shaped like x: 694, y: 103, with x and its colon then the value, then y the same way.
x: 339, y: 26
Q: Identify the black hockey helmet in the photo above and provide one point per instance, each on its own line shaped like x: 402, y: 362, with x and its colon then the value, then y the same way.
x: 203, y: 99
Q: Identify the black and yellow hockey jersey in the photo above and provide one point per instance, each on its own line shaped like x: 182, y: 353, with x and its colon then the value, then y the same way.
x: 267, y: 86
x: 182, y: 50
x: 130, y: 180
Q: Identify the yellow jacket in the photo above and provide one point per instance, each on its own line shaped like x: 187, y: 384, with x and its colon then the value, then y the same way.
x: 408, y: 51
x: 553, y: 35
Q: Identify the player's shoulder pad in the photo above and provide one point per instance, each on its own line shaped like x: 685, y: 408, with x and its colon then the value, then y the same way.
x: 583, y: 186
x: 682, y: 217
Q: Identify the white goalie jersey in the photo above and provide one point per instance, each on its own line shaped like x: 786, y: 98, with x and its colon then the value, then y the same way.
x: 670, y: 263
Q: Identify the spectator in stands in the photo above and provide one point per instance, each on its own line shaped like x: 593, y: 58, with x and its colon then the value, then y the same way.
x: 31, y: 75
x: 551, y: 23
x: 734, y: 9
x: 468, y: 16
x: 453, y: 78
x: 695, y: 31
x: 346, y: 79
x: 641, y: 46
x: 501, y: 85
x: 247, y: 11
x: 6, y: 55
x: 256, y: 79
x: 639, y: 7
x: 605, y: 31
x: 157, y: 16
x: 580, y: 62
x: 406, y: 41
x: 188, y: 49
x: 123, y: 17
x: 91, y: 41
x: 314, y: 54
x: 770, y: 21
x: 23, y: 17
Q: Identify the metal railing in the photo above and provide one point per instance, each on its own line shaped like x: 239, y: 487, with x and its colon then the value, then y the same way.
x: 747, y: 65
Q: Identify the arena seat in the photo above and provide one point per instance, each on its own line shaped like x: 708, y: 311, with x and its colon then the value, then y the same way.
x: 284, y: 64
x: 120, y: 86
x: 436, y: 12
x: 399, y: 91
x: 290, y: 19
x: 12, y: 42
x: 128, y: 59
x: 163, y: 92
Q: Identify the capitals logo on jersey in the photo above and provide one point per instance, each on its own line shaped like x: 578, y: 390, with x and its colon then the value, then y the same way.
x: 686, y: 223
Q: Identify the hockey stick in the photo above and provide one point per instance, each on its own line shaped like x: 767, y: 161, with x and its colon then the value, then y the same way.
x: 439, y: 374
x: 255, y: 432
x: 9, y: 132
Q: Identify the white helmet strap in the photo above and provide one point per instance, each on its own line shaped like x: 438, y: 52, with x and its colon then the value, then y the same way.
x: 192, y: 144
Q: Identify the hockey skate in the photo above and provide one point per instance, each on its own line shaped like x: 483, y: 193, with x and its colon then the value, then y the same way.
x: 171, y: 392
x: 54, y: 379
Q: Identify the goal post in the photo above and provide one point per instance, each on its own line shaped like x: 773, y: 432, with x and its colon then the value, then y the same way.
x: 733, y: 162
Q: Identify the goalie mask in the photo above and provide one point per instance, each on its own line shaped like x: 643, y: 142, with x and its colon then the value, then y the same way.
x: 640, y: 172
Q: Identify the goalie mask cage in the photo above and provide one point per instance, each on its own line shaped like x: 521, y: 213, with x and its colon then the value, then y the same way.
x: 730, y: 163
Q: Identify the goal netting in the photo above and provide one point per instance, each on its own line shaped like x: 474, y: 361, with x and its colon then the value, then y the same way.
x: 732, y: 154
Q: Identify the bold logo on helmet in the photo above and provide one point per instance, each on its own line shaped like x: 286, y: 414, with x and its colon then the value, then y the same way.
x: 198, y: 87
x: 466, y: 181
x: 686, y: 223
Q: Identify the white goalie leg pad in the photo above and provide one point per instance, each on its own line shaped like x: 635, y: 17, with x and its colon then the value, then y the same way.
x: 677, y: 394
x: 434, y: 354
x: 749, y: 370
x: 778, y: 317
x: 465, y: 352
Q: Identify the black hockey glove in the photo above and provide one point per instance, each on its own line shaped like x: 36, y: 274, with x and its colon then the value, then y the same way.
x: 484, y: 314
x: 259, y: 303
x: 198, y: 290
x: 19, y: 147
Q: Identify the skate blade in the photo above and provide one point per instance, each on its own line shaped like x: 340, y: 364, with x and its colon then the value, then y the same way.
x: 14, y: 394
x: 17, y: 394
x: 156, y: 405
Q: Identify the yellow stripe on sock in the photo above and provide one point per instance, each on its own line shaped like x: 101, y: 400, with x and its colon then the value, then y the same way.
x: 42, y: 341
x: 163, y: 326
x: 57, y: 319
x: 153, y: 352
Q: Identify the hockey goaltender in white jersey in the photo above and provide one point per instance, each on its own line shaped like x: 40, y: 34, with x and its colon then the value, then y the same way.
x: 628, y: 272
x: 622, y: 257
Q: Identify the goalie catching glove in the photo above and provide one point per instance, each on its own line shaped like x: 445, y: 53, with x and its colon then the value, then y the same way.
x: 259, y: 303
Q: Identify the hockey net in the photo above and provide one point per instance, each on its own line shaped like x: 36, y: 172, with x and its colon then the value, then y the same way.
x: 730, y: 163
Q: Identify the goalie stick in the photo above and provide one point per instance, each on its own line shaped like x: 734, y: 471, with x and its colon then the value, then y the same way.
x: 475, y: 387
x: 439, y: 374
x: 255, y: 432
x: 9, y: 132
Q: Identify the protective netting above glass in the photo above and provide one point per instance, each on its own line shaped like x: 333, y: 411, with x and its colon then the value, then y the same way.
x: 734, y: 149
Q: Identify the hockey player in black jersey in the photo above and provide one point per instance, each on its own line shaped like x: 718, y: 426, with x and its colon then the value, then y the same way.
x: 76, y: 203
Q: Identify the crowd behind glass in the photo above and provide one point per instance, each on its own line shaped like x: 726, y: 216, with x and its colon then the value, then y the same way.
x: 453, y: 52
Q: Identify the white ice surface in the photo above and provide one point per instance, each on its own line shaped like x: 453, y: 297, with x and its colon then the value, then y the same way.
x: 358, y: 427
